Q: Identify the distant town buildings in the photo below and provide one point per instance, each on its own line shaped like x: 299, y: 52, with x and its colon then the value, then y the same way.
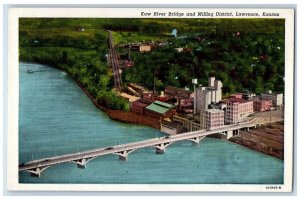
x: 181, y: 49
x: 141, y: 47
x: 125, y: 63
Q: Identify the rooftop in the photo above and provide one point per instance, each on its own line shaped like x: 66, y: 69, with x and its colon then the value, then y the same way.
x: 236, y: 94
x: 178, y: 89
x: 235, y: 100
x: 214, y: 110
x: 160, y: 107
x: 140, y: 103
x: 273, y: 93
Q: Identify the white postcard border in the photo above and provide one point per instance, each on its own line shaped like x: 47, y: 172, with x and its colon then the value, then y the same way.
x: 13, y: 99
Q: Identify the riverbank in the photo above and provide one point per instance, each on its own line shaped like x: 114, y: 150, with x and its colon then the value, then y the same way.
x: 123, y: 116
x: 268, y: 139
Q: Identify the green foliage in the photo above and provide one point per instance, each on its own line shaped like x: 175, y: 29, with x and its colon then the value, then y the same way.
x: 83, y: 64
x: 112, y: 100
x: 253, y: 60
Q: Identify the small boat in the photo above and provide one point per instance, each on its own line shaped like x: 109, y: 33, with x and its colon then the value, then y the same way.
x: 30, y: 71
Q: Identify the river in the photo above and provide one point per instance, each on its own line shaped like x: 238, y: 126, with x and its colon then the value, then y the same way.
x: 56, y: 117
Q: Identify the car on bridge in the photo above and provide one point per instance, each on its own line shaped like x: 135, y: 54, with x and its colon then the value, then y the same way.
x: 108, y: 148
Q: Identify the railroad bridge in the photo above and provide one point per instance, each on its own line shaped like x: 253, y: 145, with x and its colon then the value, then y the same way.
x: 160, y: 144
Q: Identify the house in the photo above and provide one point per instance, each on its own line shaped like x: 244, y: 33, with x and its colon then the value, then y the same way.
x: 179, y: 49
x: 125, y: 63
x: 159, y: 110
x: 141, y: 47
x: 145, y: 48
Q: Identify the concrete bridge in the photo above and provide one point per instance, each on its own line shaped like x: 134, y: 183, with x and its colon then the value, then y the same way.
x: 160, y: 144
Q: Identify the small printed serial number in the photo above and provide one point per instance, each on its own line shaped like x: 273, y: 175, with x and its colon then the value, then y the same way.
x: 273, y: 187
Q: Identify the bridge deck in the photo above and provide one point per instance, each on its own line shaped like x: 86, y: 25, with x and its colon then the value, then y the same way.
x: 126, y: 147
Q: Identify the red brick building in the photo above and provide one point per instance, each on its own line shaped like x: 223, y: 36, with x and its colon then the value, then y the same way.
x: 159, y: 110
x: 139, y: 106
x: 178, y: 92
x: 262, y: 105
x: 236, y: 95
x: 236, y: 109
x: 214, y: 118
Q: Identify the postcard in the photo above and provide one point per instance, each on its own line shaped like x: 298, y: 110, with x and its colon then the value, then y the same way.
x: 150, y: 99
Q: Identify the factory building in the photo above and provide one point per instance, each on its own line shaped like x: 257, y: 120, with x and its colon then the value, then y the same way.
x: 277, y: 98
x: 207, y: 95
x: 237, y: 109
x: 214, y: 118
x: 262, y: 105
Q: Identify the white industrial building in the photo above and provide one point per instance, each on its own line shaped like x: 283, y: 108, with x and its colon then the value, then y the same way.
x: 207, y: 95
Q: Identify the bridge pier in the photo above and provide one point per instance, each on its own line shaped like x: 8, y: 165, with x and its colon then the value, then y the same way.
x: 160, y: 151
x: 160, y: 148
x: 123, y: 155
x: 82, y: 162
x: 236, y: 132
x: 81, y: 166
x: 229, y: 134
x: 196, y: 140
x: 36, y: 172
x: 246, y: 129
x: 124, y: 158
